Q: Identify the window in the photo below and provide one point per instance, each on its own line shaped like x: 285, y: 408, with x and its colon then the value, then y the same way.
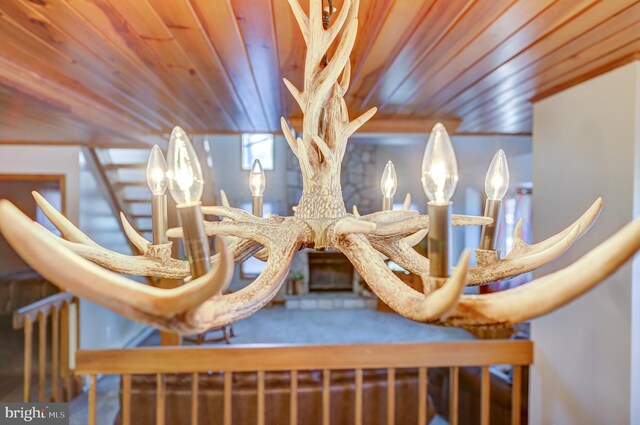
x: 257, y: 146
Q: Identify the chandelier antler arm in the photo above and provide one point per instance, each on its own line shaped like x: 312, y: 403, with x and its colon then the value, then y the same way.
x: 156, y: 260
x: 282, y: 242
x: 410, y: 225
x: 548, y: 293
x: 583, y: 223
x: 397, y: 294
x: 133, y: 299
x: 66, y: 228
x: 141, y: 243
x: 524, y: 258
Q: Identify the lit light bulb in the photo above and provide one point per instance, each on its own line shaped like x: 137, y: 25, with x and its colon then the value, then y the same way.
x: 439, y: 167
x: 257, y: 179
x: 185, y: 174
x: 389, y: 181
x: 157, y: 172
x: 496, y: 182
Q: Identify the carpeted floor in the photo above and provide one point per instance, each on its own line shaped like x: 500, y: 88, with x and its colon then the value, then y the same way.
x: 277, y: 325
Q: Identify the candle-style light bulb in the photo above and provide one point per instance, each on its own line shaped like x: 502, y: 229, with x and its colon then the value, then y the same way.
x: 186, y: 185
x: 388, y: 185
x: 257, y: 179
x: 157, y: 172
x: 439, y: 167
x: 496, y: 182
x: 257, y: 183
x: 185, y: 174
x: 158, y: 181
x: 389, y: 181
x: 439, y: 179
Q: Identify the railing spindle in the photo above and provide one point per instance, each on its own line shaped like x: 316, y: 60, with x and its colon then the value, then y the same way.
x: 391, y: 396
x: 358, y: 406
x: 326, y: 396
x: 422, y: 396
x: 55, y: 351
x: 194, y: 398
x: 92, y: 399
x: 126, y: 399
x: 261, y: 398
x: 293, y: 399
x: 28, y: 348
x: 42, y: 354
x: 453, y: 395
x: 227, y: 397
x: 160, y: 399
x: 64, y: 350
x: 485, y: 396
x: 516, y: 392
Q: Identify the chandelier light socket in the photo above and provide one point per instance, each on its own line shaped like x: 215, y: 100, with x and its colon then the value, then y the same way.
x: 256, y: 205
x: 491, y: 210
x: 439, y: 239
x: 196, y: 243
x: 387, y: 203
x: 159, y: 220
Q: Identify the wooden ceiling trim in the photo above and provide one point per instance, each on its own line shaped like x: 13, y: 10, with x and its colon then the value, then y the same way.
x: 582, y: 61
x: 550, y: 19
x: 144, y: 21
x: 381, y: 125
x: 433, y: 79
x: 544, y: 53
x: 617, y: 63
x: 388, y: 41
x: 221, y: 29
x: 440, y: 20
x: 161, y: 98
x: 625, y: 54
x: 469, y: 24
x: 258, y: 35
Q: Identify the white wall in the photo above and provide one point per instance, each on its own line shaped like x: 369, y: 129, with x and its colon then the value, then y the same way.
x: 585, y: 144
x: 58, y: 160
x: 229, y: 175
x: 87, y: 206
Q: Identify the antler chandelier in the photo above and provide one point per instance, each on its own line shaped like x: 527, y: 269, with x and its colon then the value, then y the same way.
x: 76, y: 263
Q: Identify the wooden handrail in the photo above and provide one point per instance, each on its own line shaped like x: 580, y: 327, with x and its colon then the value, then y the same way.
x: 43, y: 306
x: 57, y: 308
x: 251, y: 358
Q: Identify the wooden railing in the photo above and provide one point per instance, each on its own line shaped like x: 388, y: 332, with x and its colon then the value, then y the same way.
x: 60, y: 310
x: 274, y: 358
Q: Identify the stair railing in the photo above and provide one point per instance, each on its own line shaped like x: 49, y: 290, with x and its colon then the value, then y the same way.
x: 61, y: 310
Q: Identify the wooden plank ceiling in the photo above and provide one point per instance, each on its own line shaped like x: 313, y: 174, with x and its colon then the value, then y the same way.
x: 121, y: 70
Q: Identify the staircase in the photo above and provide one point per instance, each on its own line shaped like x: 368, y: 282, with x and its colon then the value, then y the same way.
x: 125, y: 172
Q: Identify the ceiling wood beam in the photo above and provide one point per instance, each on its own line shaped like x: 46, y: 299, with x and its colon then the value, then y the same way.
x: 381, y: 126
